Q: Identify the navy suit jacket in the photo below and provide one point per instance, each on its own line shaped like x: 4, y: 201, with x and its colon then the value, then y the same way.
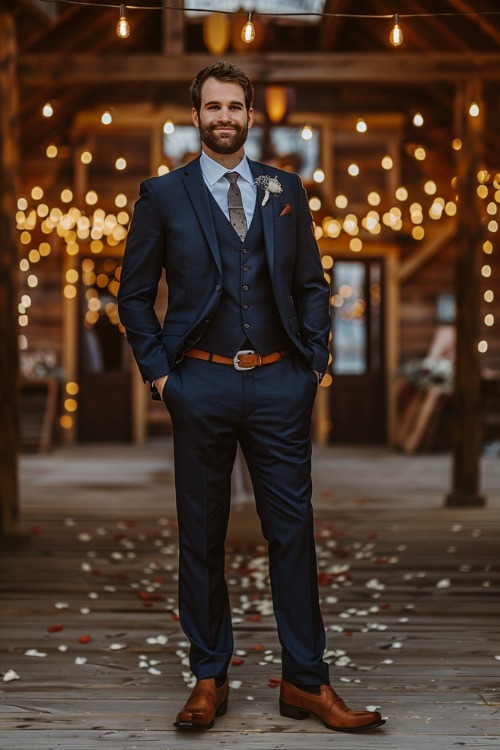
x: 173, y: 228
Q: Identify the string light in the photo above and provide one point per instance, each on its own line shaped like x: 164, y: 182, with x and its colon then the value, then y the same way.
x: 474, y: 109
x: 122, y: 27
x: 307, y: 133
x: 396, y: 35
x: 248, y: 30
x: 47, y: 110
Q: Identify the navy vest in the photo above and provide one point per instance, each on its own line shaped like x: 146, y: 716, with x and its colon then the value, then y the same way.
x: 247, y: 316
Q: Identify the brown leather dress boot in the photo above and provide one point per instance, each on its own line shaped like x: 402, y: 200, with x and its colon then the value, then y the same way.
x: 333, y: 712
x: 205, y: 703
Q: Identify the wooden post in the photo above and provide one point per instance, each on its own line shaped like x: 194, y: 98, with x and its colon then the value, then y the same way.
x: 173, y: 28
x: 466, y: 399
x: 9, y: 369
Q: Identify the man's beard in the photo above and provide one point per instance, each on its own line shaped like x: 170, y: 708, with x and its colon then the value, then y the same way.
x: 227, y: 144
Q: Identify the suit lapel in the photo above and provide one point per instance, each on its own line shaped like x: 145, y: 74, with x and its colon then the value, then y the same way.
x: 266, y: 214
x: 198, y: 195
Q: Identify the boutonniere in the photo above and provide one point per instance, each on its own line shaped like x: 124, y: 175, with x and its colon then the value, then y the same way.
x: 270, y: 186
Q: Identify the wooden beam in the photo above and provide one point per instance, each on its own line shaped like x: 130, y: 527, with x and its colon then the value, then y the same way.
x: 484, y: 23
x: 427, y: 250
x: 466, y: 447
x: 331, y: 26
x: 298, y: 68
x: 45, y: 12
x: 9, y: 397
x: 173, y: 28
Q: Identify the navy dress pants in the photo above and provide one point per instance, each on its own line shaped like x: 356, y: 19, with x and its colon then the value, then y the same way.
x: 268, y: 411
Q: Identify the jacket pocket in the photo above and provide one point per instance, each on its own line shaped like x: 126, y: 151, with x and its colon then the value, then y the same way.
x: 174, y: 328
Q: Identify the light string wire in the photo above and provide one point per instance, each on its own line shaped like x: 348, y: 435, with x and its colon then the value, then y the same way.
x: 279, y: 15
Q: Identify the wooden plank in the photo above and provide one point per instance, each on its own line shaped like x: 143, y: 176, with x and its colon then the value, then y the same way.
x: 438, y: 689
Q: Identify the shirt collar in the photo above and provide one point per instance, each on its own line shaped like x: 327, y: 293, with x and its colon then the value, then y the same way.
x: 213, y: 171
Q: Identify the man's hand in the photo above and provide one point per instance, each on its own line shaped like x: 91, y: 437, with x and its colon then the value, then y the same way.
x: 160, y: 384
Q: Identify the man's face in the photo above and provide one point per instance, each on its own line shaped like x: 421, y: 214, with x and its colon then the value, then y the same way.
x: 223, y: 120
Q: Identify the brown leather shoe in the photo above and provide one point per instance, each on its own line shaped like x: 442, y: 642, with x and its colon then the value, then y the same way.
x: 205, y: 703
x: 333, y: 712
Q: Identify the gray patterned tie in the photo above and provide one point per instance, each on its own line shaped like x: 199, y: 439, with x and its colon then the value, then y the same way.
x: 235, y: 204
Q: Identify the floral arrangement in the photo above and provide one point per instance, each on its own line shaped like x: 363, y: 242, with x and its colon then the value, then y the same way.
x: 270, y: 186
x: 429, y: 371
x: 40, y: 364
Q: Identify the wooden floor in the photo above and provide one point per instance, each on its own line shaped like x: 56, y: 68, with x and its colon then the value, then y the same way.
x: 89, y: 629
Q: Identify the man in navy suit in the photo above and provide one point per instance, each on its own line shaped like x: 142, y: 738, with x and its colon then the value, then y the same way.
x: 237, y: 360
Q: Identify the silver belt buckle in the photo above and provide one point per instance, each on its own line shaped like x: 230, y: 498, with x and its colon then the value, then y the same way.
x: 237, y: 365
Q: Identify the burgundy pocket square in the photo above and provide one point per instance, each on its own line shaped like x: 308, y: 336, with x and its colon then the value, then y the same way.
x: 287, y: 209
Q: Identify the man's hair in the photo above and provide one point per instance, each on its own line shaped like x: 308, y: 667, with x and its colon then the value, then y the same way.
x: 222, y: 71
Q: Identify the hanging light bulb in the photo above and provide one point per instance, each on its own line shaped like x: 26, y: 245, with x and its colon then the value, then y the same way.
x: 396, y: 37
x: 474, y: 109
x: 122, y: 27
x: 248, y: 30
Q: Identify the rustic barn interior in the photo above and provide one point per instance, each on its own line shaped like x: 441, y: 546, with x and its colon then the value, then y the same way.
x: 398, y: 148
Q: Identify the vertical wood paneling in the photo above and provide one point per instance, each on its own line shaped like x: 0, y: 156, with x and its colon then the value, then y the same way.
x: 8, y: 272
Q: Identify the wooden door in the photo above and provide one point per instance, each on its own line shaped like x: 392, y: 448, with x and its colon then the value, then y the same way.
x: 358, y: 391
x: 104, y: 412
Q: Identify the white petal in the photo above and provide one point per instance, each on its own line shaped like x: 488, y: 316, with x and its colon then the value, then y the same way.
x: 444, y: 583
x: 10, y: 675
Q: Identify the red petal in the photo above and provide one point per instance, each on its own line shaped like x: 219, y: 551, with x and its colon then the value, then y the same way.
x: 55, y: 628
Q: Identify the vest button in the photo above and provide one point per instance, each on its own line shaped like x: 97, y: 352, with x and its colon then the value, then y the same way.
x: 245, y: 268
x: 245, y: 288
x: 245, y: 250
x: 245, y: 307
x: 247, y: 325
x: 218, y: 288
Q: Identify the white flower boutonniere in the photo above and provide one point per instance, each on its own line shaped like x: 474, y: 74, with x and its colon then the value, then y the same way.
x: 270, y: 186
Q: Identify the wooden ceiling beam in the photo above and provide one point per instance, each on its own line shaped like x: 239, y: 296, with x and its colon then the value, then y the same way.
x: 44, y: 12
x: 297, y: 68
x: 482, y: 21
x: 437, y: 27
x: 330, y: 29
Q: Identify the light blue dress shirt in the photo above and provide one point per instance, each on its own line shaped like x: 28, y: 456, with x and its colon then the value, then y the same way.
x: 213, y: 174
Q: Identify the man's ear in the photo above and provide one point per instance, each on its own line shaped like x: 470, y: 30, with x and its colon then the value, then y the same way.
x: 251, y: 116
x: 194, y: 115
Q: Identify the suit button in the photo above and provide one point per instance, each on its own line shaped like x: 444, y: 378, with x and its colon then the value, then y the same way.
x: 247, y: 325
x: 245, y: 288
x: 245, y: 307
x: 218, y: 288
x: 245, y: 268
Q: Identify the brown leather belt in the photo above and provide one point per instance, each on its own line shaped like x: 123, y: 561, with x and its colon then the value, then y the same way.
x: 246, y: 359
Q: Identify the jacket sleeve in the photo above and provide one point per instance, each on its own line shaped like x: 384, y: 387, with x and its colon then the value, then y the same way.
x: 311, y: 291
x: 143, y: 262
